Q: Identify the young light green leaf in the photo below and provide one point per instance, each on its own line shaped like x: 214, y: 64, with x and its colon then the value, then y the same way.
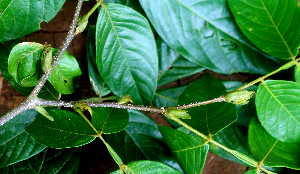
x: 126, y: 53
x: 64, y: 161
x: 149, y: 167
x: 173, y: 112
x: 68, y: 130
x: 62, y: 76
x: 96, y: 81
x: 22, y: 63
x: 211, y: 118
x: 273, y: 152
x: 271, y: 25
x: 189, y: 150
x: 110, y: 120
x: 141, y: 140
x: 277, y: 104
x: 46, y: 58
x: 204, y: 32
x: 15, y: 143
x: 18, y: 19
x: 43, y: 111
x: 240, y: 97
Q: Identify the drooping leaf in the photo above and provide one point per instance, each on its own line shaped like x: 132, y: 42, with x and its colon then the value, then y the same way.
x: 62, y: 76
x: 22, y: 63
x: 273, y: 152
x: 141, y: 140
x: 233, y: 137
x: 149, y: 167
x: 110, y: 120
x: 126, y: 53
x: 172, y: 66
x: 64, y: 161
x: 187, y: 149
x: 47, y: 92
x: 94, y: 76
x: 204, y: 32
x: 211, y: 118
x: 277, y: 104
x: 271, y: 25
x: 15, y: 143
x: 19, y: 18
x: 67, y: 130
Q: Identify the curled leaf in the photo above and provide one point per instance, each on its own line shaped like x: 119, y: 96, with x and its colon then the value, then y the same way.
x: 46, y: 58
x: 125, y: 99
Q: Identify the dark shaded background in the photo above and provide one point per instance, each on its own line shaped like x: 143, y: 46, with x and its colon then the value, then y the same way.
x: 95, y: 157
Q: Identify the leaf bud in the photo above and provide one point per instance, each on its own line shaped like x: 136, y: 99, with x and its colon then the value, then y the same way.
x: 240, y: 97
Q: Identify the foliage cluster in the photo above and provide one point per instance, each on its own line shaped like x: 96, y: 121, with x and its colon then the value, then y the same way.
x: 137, y: 46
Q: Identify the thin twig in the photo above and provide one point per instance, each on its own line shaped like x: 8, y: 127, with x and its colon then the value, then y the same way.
x: 32, y: 99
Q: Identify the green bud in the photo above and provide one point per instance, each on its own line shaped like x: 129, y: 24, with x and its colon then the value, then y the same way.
x: 82, y: 23
x: 240, y: 97
x: 125, y: 99
x: 173, y: 112
x: 43, y: 111
x: 46, y: 58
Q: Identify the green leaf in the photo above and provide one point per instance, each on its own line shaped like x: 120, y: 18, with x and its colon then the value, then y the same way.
x: 277, y: 105
x: 273, y: 152
x: 47, y: 92
x: 141, y: 140
x: 187, y: 149
x: 172, y: 66
x: 15, y: 143
x: 205, y: 33
x: 67, y: 130
x: 110, y: 120
x: 149, y: 167
x: 134, y: 4
x: 273, y: 26
x: 64, y: 161
x: 22, y: 63
x: 62, y: 76
x: 211, y: 118
x: 19, y: 18
x: 252, y: 171
x: 233, y: 137
x: 126, y: 53
x: 94, y: 76
x: 168, y: 97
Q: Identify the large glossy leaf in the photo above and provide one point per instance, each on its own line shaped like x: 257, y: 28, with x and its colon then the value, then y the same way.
x: 15, y: 143
x: 172, y: 66
x: 110, y: 120
x: 277, y: 109
x: 141, y: 140
x: 168, y: 97
x: 149, y: 167
x: 47, y: 92
x: 187, y: 149
x: 208, y: 119
x: 233, y: 137
x: 271, y: 25
x: 134, y: 4
x: 67, y: 130
x: 273, y: 152
x: 19, y: 18
x: 94, y: 76
x: 204, y: 32
x: 62, y: 76
x: 65, y: 161
x: 126, y: 53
